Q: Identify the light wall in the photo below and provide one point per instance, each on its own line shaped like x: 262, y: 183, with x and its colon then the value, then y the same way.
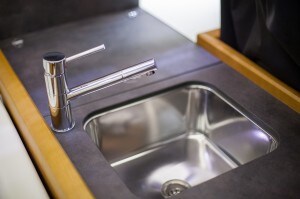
x: 189, y: 17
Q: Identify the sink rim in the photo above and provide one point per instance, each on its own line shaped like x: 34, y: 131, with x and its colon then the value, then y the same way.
x: 160, y: 94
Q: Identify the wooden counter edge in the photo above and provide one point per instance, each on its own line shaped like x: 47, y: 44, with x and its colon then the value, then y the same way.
x: 58, y: 172
x: 211, y: 42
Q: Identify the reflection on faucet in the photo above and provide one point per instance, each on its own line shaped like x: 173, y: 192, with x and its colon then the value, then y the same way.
x: 59, y: 95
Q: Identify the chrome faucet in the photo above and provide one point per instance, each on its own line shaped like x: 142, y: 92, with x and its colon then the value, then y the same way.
x: 59, y: 94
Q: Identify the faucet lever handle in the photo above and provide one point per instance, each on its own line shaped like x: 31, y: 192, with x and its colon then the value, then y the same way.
x: 86, y: 53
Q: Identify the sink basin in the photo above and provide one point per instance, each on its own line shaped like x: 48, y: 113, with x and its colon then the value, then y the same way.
x: 169, y: 142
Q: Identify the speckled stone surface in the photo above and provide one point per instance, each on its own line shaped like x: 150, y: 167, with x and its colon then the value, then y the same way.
x: 276, y: 175
x: 128, y: 42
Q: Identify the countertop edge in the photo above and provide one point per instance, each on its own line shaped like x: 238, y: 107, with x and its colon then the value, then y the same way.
x: 287, y: 95
x: 14, y: 158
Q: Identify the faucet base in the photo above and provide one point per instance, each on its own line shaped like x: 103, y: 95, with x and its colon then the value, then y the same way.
x: 63, y: 130
x: 61, y: 118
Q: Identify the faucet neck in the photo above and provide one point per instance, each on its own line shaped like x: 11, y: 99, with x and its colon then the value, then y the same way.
x: 57, y: 90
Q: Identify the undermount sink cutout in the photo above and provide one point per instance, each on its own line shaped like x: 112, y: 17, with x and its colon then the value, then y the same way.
x: 178, y: 139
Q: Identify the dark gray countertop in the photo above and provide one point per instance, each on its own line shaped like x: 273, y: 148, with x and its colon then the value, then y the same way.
x: 129, y: 41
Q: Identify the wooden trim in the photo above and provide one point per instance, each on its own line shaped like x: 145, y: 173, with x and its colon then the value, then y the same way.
x: 58, y: 172
x: 211, y: 42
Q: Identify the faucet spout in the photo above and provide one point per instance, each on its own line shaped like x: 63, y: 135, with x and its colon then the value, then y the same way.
x: 133, y: 72
x: 59, y: 95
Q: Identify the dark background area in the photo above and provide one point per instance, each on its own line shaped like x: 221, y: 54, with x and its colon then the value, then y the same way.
x: 266, y: 31
x: 23, y: 16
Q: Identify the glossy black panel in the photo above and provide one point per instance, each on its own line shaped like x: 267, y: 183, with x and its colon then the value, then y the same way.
x: 18, y: 17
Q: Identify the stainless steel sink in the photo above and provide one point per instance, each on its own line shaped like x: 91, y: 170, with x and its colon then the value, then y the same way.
x: 175, y: 140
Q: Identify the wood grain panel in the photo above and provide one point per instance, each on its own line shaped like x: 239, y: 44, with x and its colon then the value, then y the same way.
x: 59, y: 174
x: 211, y: 42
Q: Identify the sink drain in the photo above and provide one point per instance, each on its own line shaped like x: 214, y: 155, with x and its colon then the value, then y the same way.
x: 174, y: 187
